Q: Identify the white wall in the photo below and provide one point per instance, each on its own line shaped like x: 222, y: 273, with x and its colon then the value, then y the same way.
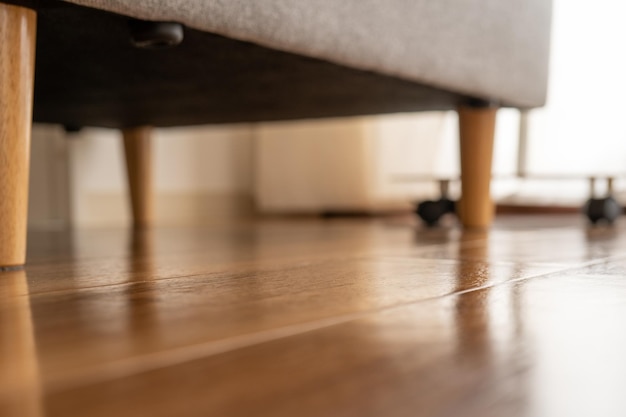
x: 581, y: 130
x: 367, y: 163
x: 200, y: 173
x: 49, y: 193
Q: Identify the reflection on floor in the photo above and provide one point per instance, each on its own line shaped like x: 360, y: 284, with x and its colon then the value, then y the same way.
x: 311, y: 317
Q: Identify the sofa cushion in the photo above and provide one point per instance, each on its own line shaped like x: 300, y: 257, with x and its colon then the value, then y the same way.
x: 494, y: 49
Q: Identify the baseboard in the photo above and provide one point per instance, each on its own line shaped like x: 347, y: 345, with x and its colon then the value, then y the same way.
x: 537, y: 209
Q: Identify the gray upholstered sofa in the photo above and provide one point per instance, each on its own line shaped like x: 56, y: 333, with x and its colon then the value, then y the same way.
x: 260, y: 60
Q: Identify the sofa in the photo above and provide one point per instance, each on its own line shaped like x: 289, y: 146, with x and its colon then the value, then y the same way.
x: 132, y: 65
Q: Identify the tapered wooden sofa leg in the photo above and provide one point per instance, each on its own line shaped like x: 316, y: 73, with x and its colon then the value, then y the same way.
x: 138, y: 152
x: 17, y: 59
x: 477, y: 128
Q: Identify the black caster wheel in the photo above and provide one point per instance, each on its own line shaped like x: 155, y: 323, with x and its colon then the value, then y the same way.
x: 432, y: 211
x: 602, y: 209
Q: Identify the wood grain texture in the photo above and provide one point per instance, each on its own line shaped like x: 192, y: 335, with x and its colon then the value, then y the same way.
x: 138, y: 155
x: 477, y: 128
x: 17, y: 60
x: 318, y: 317
x: 505, y: 351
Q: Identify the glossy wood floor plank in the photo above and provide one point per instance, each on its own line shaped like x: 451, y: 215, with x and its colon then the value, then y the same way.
x: 90, y: 328
x: 523, y: 349
x: 311, y: 317
x: 104, y: 258
x: 64, y: 262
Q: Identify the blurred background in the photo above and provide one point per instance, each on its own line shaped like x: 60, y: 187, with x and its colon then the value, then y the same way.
x: 365, y: 164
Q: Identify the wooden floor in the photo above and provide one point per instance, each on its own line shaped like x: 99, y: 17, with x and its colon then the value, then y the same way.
x: 312, y: 317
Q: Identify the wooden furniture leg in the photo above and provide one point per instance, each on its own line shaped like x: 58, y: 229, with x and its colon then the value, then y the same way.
x: 477, y: 126
x: 17, y: 59
x: 137, y: 147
